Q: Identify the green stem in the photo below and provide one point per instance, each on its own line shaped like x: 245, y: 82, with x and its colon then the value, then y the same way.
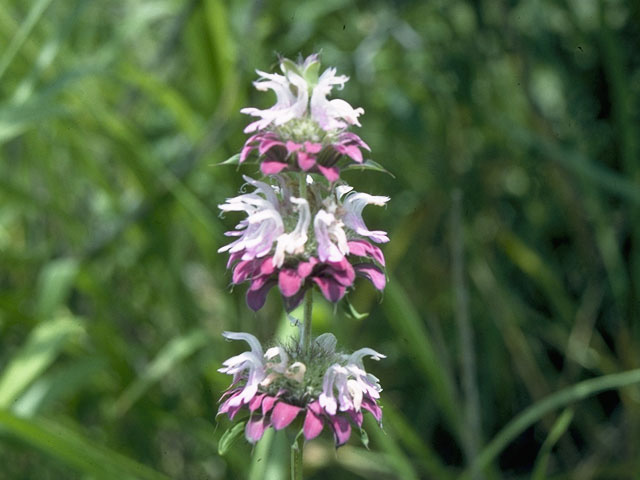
x: 305, y: 343
x: 296, y: 458
x: 305, y: 335
x: 472, y: 433
x: 302, y: 185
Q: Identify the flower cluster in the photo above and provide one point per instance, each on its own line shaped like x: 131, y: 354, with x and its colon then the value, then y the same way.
x: 302, y: 228
x: 296, y: 242
x: 320, y: 386
x: 303, y: 131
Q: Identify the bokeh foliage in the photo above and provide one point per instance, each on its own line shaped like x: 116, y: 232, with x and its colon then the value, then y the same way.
x: 514, y: 268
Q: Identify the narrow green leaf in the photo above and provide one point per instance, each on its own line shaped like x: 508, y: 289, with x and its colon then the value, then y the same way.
x: 171, y: 99
x: 222, y: 45
x: 413, y: 335
x: 537, y: 268
x: 229, y: 437
x: 558, y: 429
x: 364, y: 438
x: 42, y: 347
x: 290, y: 66
x: 232, y: 160
x: 397, y: 459
x: 54, y: 284
x: 261, y: 458
x: 36, y: 12
x: 410, y: 435
x: 70, y: 447
x: 16, y: 119
x: 167, y: 359
x: 311, y: 73
x: 352, y: 312
x: 368, y: 165
x: 57, y: 385
x: 535, y: 412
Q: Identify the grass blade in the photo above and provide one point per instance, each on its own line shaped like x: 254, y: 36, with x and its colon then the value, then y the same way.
x: 535, y: 412
x: 75, y: 450
x: 172, y: 354
x: 410, y: 328
x: 54, y: 284
x: 21, y: 35
x: 41, y: 349
x: 558, y: 429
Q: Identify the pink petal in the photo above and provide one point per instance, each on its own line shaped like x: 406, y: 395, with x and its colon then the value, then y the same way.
x: 283, y: 414
x: 256, y: 298
x: 341, y: 429
x: 305, y: 268
x: 315, y: 408
x: 246, y: 150
x: 373, y: 273
x: 259, y: 281
x: 357, y: 417
x: 313, y: 425
x: 306, y: 161
x: 350, y: 151
x: 255, y: 429
x: 349, y: 137
x: 225, y: 408
x: 292, y: 146
x: 242, y: 271
x: 331, y: 173
x: 267, y: 144
x: 271, y: 167
x: 312, y: 147
x: 331, y: 289
x: 289, y: 282
x: 371, y: 405
x: 290, y: 303
x: 234, y: 257
x: 342, y: 272
x: 253, y: 138
x: 267, y: 267
x: 362, y: 248
x: 233, y: 410
x: 267, y: 404
x: 255, y: 402
x: 248, y: 146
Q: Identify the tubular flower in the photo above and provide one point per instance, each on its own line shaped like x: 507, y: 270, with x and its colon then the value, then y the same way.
x: 321, y: 386
x: 304, y: 130
x: 294, y: 243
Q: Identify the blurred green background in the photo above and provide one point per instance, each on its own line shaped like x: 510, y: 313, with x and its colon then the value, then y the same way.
x: 512, y: 129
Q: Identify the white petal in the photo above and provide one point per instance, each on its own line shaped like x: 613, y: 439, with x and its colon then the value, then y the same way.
x: 247, y: 337
x: 331, y: 238
x: 356, y: 393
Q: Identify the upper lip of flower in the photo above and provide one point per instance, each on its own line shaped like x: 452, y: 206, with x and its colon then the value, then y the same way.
x: 351, y: 382
x: 252, y: 361
x: 292, y: 99
x: 333, y: 225
x: 263, y: 223
x: 294, y: 242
